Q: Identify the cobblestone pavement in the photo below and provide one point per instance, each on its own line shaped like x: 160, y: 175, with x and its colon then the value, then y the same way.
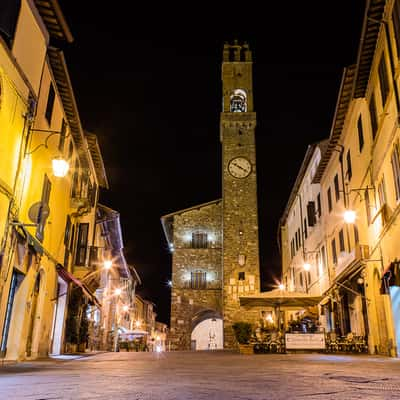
x: 203, y: 375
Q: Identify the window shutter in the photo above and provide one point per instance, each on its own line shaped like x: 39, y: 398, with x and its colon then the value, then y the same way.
x: 81, y: 246
x: 396, y: 171
x: 311, y: 213
x: 44, y: 209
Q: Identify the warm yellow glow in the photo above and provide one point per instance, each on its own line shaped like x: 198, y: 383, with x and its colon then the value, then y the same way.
x: 306, y: 266
x: 269, y: 318
x: 117, y: 291
x: 158, y: 338
x: 125, y: 308
x: 60, y: 167
x: 281, y: 286
x: 138, y: 323
x: 349, y: 216
x: 107, y: 264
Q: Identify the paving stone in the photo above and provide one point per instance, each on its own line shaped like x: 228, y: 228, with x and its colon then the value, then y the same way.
x: 216, y: 375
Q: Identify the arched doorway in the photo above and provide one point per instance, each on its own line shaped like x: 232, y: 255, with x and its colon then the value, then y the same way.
x: 59, y: 316
x: 207, y: 331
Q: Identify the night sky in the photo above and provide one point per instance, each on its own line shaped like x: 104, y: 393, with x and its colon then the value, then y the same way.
x: 147, y: 82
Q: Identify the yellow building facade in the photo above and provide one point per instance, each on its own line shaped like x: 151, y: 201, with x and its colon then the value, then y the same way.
x: 46, y: 221
x: 349, y: 237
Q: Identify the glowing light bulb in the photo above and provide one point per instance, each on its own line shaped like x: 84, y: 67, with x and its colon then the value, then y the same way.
x: 107, y: 264
x: 125, y: 308
x: 117, y: 291
x: 60, y: 167
x: 349, y: 216
x: 306, y: 266
x: 281, y: 286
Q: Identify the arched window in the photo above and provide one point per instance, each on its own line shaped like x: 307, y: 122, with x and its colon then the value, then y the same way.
x: 238, y: 101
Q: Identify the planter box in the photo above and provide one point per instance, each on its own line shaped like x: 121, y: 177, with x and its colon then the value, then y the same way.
x: 246, y: 348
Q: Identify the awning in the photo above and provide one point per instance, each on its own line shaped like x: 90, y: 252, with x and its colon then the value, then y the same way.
x: 68, y: 277
x: 282, y: 299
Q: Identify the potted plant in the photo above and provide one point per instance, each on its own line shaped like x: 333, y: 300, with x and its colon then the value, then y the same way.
x: 243, y: 333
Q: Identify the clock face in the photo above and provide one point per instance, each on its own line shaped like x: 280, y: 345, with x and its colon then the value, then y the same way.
x: 239, y: 167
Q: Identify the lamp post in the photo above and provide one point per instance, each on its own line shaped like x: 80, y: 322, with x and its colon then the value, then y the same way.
x: 59, y: 164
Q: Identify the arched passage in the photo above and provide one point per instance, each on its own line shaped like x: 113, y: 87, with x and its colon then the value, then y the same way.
x: 207, y: 331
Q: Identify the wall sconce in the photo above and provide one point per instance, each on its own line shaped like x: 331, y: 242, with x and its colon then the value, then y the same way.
x: 59, y: 165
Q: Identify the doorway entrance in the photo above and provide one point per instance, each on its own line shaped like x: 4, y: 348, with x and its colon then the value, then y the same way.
x: 16, y: 280
x: 33, y: 316
x: 395, y: 297
x: 59, y: 313
x: 208, y: 335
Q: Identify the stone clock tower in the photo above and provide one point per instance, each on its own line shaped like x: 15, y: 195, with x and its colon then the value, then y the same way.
x: 240, y: 261
x: 214, y: 245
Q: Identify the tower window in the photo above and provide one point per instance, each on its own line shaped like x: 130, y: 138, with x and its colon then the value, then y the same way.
x: 198, y: 280
x: 238, y: 101
x: 241, y: 276
x: 199, y: 240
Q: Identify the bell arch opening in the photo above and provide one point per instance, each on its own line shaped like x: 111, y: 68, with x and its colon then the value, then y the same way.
x: 238, y: 101
x: 207, y: 331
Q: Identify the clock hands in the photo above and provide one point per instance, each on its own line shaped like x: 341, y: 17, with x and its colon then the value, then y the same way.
x: 239, y: 166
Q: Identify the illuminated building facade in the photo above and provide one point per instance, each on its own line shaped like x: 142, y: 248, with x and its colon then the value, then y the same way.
x: 351, y: 232
x: 215, y: 245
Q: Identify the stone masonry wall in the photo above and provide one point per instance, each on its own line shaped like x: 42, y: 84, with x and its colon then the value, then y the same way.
x: 188, y: 303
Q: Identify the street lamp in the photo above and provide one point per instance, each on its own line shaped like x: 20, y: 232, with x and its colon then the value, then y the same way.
x: 117, y: 291
x: 106, y: 266
x: 349, y: 216
x: 281, y: 286
x: 59, y: 165
x: 125, y: 308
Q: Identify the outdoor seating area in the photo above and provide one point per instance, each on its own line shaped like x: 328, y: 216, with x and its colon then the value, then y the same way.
x: 273, y: 342
x: 347, y: 344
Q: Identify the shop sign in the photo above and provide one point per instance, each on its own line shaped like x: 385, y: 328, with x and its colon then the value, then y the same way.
x: 305, y: 341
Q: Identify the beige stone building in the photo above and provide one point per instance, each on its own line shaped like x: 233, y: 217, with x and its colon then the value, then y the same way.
x: 352, y: 241
x: 215, y: 245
